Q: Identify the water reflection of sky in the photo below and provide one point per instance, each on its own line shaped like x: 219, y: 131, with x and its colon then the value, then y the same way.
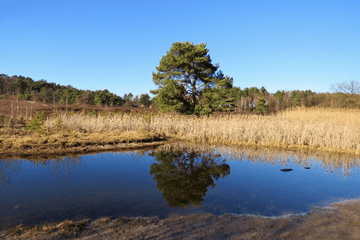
x: 108, y: 184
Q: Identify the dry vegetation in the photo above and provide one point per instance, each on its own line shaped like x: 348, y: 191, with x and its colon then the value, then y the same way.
x: 335, y: 115
x: 11, y: 107
x: 333, y: 130
x: 325, y: 129
x: 15, y: 141
x: 52, y: 144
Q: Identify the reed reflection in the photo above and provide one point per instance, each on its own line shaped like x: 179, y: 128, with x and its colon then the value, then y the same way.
x: 183, y: 175
x: 333, y: 163
x: 60, y: 167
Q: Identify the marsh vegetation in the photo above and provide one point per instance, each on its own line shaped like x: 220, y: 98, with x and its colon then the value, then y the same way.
x: 325, y: 129
x: 334, y: 130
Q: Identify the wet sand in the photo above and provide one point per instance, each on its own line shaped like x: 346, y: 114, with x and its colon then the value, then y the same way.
x: 338, y: 221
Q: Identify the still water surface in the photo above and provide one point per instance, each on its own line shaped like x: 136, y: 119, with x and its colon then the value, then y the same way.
x: 170, y: 181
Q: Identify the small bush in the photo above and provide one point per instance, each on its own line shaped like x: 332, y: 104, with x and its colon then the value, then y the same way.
x: 148, y: 118
x: 93, y: 113
x: 36, y: 123
x: 199, y: 110
x: 58, y: 124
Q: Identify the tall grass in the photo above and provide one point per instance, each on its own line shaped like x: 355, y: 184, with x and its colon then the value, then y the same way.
x: 334, y: 130
x: 336, y: 115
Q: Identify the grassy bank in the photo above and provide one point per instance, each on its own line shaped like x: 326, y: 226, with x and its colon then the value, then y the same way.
x: 49, y: 143
x: 331, y: 130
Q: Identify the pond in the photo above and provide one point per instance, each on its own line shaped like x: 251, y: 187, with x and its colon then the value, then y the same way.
x: 174, y: 179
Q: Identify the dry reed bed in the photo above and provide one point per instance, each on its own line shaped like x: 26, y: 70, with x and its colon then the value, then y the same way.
x: 325, y: 129
x: 346, y: 116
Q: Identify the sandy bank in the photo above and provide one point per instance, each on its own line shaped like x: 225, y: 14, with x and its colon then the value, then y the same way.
x: 339, y: 221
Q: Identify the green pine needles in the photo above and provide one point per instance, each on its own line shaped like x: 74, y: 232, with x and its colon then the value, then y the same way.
x: 36, y: 123
x: 261, y: 106
x: 182, y: 75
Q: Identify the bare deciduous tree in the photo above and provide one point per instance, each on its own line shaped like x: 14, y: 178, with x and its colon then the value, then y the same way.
x: 351, y: 86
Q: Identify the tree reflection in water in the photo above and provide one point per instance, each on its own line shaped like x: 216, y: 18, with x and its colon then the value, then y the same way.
x: 184, y: 175
x: 7, y: 168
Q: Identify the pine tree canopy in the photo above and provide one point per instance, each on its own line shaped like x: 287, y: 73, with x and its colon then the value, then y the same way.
x: 188, y: 69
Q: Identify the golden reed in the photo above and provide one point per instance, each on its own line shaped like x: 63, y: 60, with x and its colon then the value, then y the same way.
x: 334, y: 130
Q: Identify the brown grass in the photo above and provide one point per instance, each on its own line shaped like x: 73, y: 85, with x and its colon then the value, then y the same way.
x: 335, y: 115
x: 13, y: 108
x: 50, y: 144
x: 333, y: 130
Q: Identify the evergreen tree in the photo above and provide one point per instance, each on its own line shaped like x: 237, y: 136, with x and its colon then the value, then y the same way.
x: 263, y: 91
x: 296, y: 98
x: 261, y: 106
x: 145, y: 100
x: 184, y: 70
x: 128, y: 97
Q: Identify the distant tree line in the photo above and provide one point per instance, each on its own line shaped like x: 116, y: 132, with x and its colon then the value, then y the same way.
x: 27, y: 89
x: 259, y: 101
x: 218, y: 96
x: 136, y: 101
x: 255, y: 100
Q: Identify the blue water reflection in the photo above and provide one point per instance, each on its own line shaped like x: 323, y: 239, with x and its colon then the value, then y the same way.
x: 166, y: 182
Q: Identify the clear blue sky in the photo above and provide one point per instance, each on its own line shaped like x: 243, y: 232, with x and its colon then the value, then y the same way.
x: 116, y: 44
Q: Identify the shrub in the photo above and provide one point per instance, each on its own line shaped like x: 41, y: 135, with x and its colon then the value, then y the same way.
x: 58, y: 123
x: 36, y: 123
x: 93, y: 113
x: 199, y: 110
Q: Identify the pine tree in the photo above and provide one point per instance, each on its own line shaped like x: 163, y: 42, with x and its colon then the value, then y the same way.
x: 184, y: 71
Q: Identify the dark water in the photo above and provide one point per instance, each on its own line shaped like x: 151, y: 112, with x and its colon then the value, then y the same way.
x: 168, y: 181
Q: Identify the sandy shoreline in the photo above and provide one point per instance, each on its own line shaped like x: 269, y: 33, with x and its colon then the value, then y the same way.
x: 338, y: 221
